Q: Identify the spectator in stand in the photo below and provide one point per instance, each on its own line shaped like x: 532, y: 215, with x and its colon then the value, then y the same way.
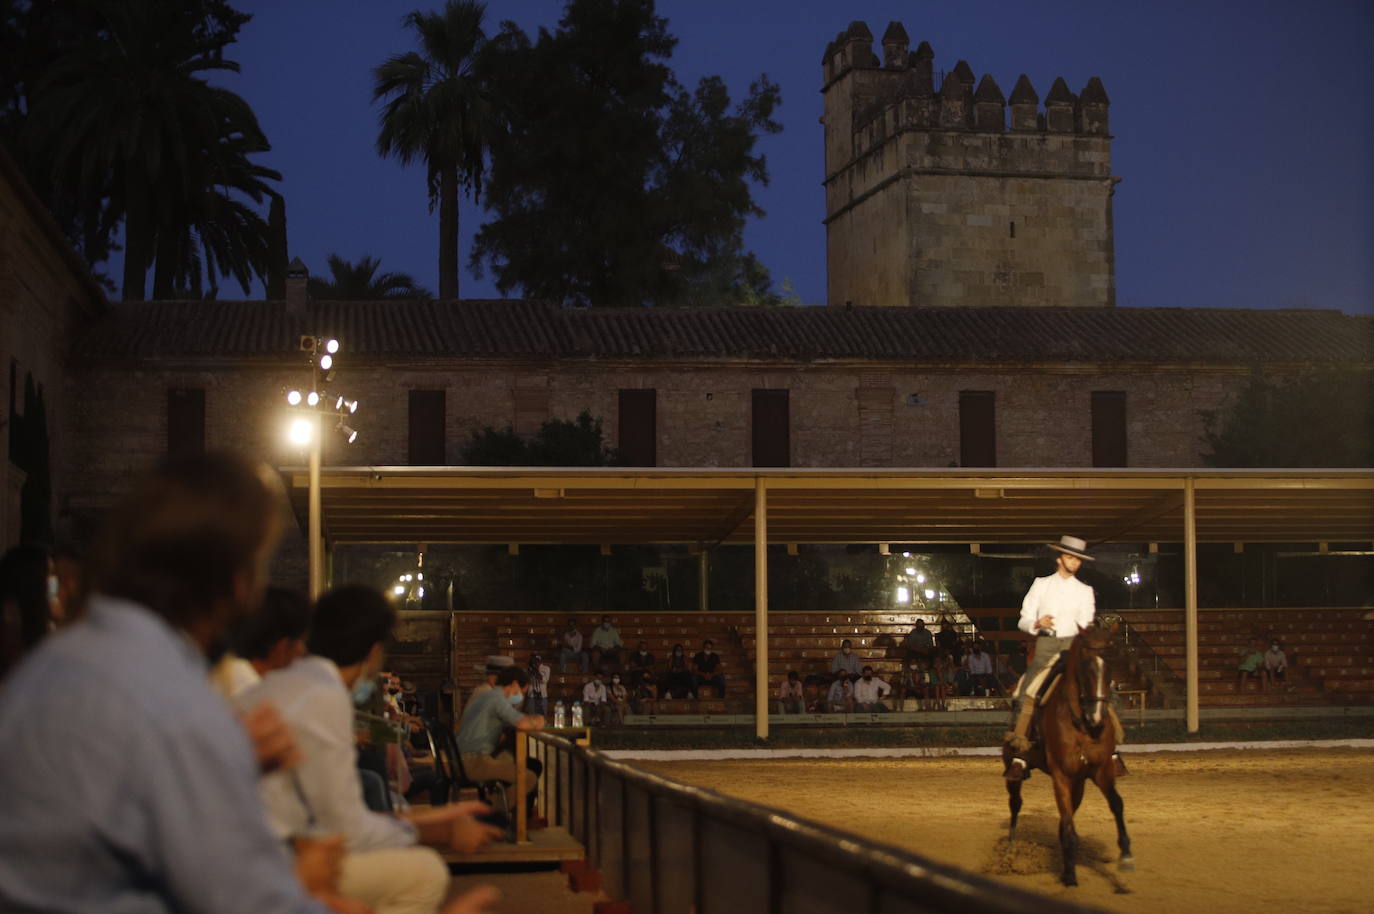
x: 814, y: 691
x: 840, y: 698
x: 978, y: 665
x: 1276, y: 662
x: 385, y: 865
x: 947, y: 639
x: 911, y: 682
x: 919, y: 642
x: 570, y: 648
x: 270, y: 640
x: 641, y: 664
x: 1252, y: 666
x: 158, y: 810
x: 706, y: 669
x: 644, y: 696
x: 491, y: 669
x: 537, y: 701
x: 617, y: 699
x: 28, y: 601
x: 869, y: 691
x: 486, y: 719
x: 606, y: 645
x: 677, y: 682
x: 790, y: 694
x: 594, y: 709
x: 846, y: 661
x: 944, y: 677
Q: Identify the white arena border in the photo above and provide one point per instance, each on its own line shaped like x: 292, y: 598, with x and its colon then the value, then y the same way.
x: 714, y: 755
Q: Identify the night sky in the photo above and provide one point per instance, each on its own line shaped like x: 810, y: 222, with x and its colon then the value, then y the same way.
x: 1244, y: 132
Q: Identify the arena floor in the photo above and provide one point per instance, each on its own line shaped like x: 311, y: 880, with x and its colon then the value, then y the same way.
x: 1213, y: 832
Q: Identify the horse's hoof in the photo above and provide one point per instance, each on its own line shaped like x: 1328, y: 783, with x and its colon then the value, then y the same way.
x: 1126, y: 865
x: 1070, y: 880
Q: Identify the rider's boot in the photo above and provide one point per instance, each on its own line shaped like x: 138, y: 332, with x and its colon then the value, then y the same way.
x: 1017, y: 739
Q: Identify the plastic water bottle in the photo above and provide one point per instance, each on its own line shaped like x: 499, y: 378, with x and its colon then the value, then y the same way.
x: 577, y: 714
x: 560, y: 715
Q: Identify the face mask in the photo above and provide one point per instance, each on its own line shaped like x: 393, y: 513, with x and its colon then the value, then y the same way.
x: 616, y: 680
x: 867, y: 678
x: 517, y: 699
x: 845, y: 650
x: 605, y: 625
x: 363, y: 689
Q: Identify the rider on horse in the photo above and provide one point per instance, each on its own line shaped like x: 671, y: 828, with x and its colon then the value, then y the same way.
x: 1055, y: 609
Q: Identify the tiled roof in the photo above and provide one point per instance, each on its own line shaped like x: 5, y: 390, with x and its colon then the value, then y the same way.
x: 524, y: 329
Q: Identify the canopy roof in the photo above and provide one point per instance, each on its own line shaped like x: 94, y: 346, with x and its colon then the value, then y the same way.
x: 711, y: 506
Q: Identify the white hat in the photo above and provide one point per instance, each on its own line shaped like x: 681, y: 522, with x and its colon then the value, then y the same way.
x: 1073, y: 546
x: 495, y: 663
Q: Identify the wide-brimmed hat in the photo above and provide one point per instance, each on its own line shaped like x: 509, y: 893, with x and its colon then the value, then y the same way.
x: 495, y: 663
x: 1072, y: 545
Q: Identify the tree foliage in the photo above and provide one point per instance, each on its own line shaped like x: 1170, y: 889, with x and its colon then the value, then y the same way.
x: 1316, y: 419
x: 360, y: 282
x: 438, y: 108
x: 558, y: 443
x: 611, y: 183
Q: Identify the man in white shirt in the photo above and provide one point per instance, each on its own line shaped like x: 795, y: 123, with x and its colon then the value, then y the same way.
x: 1056, y: 608
x: 383, y: 866
x: 594, y: 699
x: 570, y: 648
x: 870, y: 691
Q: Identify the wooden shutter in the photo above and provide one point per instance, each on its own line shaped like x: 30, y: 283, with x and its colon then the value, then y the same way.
x: 185, y: 421
x: 771, y: 428
x: 1109, y: 428
x: 977, y: 428
x: 638, y: 431
x: 427, y: 428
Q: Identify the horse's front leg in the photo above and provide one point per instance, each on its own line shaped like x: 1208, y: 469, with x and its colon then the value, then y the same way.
x: 1068, y: 837
x: 1014, y: 803
x: 1105, y: 778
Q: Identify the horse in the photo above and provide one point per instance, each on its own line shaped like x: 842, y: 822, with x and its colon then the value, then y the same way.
x: 1076, y: 743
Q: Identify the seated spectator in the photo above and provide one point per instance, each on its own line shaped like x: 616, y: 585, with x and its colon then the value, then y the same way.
x: 485, y: 755
x: 814, y: 690
x: 641, y: 664
x: 790, y: 694
x: 1252, y: 665
x: 846, y: 661
x: 944, y: 677
x: 644, y: 696
x: 677, y: 681
x: 617, y: 700
x: 840, y: 698
x: 947, y: 639
x: 570, y: 648
x: 870, y: 691
x: 1275, y: 663
x: 606, y: 645
x: 537, y: 701
x: 978, y: 665
x: 918, y: 643
x: 384, y: 866
x: 706, y: 669
x: 594, y: 698
x: 270, y: 640
x: 911, y: 682
x: 158, y: 810
x: 495, y: 663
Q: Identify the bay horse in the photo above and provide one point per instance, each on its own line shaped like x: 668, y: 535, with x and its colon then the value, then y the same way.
x: 1076, y: 743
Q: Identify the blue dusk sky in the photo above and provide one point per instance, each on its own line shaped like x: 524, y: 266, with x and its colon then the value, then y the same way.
x: 1244, y: 133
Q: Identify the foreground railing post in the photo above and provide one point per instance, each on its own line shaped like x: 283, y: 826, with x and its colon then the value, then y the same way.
x: 522, y: 818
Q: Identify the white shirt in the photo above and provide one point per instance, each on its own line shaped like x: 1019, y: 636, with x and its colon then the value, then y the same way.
x: 840, y: 691
x: 233, y: 675
x: 1069, y: 600
x: 540, y: 687
x: 594, y: 693
x: 866, y: 692
x: 979, y: 664
x: 322, y: 794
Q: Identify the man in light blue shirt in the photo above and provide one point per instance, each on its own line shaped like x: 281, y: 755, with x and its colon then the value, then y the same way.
x: 484, y: 719
x: 129, y: 786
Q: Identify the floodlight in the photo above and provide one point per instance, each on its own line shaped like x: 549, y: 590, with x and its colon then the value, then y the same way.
x: 911, y: 571
x: 342, y: 404
x: 930, y: 594
x: 420, y: 592
x: 307, y: 343
x: 920, y: 579
x: 293, y: 397
x: 331, y: 346
x: 398, y: 590
x: 326, y: 362
x: 350, y: 435
x: 312, y: 399
x: 420, y: 576
x: 903, y: 595
x: 300, y: 432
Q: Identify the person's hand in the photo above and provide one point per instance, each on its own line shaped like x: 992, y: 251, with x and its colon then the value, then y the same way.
x: 467, y: 835
x: 478, y: 901
x: 273, y: 745
x: 319, y: 863
x: 1045, y: 622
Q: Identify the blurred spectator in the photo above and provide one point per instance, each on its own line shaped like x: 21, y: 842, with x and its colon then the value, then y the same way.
x: 617, y: 699
x: 846, y: 661
x: 978, y: 664
x: 269, y: 640
x: 481, y: 729
x: 911, y: 681
x: 594, y: 698
x: 644, y: 696
x: 1252, y: 665
x: 706, y: 669
x: 840, y: 698
x: 919, y: 642
x: 790, y: 694
x: 641, y: 664
x: 944, y: 676
x: 869, y: 691
x: 1276, y: 663
x: 158, y: 810
x: 947, y: 639
x: 570, y: 648
x: 492, y: 668
x: 538, y: 700
x: 606, y: 645
x: 383, y: 865
x: 677, y: 682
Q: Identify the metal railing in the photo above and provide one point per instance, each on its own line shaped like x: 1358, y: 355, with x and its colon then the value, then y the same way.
x: 670, y: 848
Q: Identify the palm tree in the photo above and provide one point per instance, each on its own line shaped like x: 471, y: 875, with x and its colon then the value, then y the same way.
x: 438, y: 107
x: 360, y: 282
x: 128, y: 117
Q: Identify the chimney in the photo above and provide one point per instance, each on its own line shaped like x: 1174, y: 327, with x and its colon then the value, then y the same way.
x: 297, y: 277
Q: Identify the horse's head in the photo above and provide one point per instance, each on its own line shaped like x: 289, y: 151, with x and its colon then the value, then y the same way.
x: 1088, y: 664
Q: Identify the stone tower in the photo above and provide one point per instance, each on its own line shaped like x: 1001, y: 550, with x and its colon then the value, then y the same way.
x: 932, y: 199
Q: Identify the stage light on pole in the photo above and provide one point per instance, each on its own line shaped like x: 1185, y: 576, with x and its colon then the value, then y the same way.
x: 300, y: 432
x: 312, y: 399
x: 331, y: 346
x: 293, y: 397
x: 399, y: 589
x: 326, y: 362
x: 903, y: 595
